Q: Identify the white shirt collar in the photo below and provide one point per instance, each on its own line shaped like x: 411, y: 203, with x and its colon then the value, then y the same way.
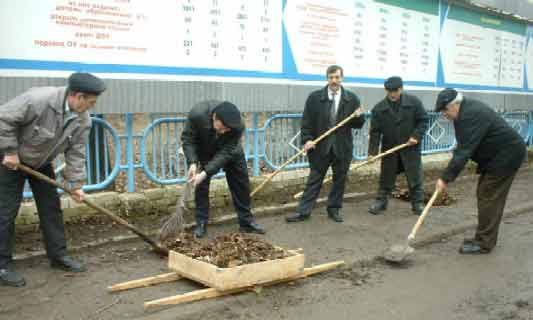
x: 67, y: 106
x: 337, y: 93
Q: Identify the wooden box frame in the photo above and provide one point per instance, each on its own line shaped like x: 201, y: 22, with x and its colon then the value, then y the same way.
x: 237, y: 277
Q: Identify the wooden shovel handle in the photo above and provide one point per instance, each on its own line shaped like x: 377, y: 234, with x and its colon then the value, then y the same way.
x: 359, y: 165
x: 316, y: 141
x: 159, y: 249
x: 420, y: 220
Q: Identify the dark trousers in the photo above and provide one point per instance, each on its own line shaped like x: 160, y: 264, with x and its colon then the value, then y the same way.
x: 492, y: 191
x: 48, y: 208
x: 414, y: 174
x: 239, y: 186
x: 314, y: 184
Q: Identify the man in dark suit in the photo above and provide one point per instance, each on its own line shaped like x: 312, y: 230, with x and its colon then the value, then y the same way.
x: 486, y: 138
x: 212, y: 141
x: 324, y: 108
x: 399, y: 118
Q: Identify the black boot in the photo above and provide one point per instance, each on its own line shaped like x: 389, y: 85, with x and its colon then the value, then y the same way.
x: 252, y: 227
x: 335, y: 215
x: 201, y: 229
x: 297, y: 217
x: 10, y: 277
x: 379, y: 206
x: 417, y: 208
x: 66, y: 263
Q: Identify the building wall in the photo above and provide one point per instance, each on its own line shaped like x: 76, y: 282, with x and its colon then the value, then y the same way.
x: 152, y: 96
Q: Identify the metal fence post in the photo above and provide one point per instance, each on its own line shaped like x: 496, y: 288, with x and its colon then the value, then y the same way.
x: 530, y: 128
x: 256, y: 172
x: 129, y: 152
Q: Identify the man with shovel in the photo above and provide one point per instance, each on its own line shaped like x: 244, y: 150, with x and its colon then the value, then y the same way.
x: 485, y: 137
x: 34, y: 128
x: 211, y: 141
x: 399, y: 118
x: 324, y: 109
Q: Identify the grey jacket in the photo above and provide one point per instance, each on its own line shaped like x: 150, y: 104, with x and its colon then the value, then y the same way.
x: 33, y: 125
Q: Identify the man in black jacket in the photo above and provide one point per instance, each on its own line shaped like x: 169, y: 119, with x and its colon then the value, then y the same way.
x: 486, y: 138
x: 323, y: 110
x: 211, y: 141
x: 399, y: 118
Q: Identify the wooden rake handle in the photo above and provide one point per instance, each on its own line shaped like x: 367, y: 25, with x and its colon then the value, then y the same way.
x: 316, y: 141
x: 359, y: 165
x: 420, y: 220
x: 157, y: 248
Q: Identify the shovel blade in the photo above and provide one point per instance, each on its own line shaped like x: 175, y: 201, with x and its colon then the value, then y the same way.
x: 398, y: 253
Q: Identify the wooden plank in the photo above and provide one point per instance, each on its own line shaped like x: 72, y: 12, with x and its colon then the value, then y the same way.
x: 145, y: 282
x: 242, y: 276
x: 210, y: 293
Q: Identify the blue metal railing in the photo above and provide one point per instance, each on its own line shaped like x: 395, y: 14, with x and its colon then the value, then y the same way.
x: 521, y: 122
x: 160, y: 158
x: 440, y: 135
x: 106, y: 136
x: 166, y: 165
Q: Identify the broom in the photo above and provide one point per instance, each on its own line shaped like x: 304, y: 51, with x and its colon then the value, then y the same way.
x: 175, y: 224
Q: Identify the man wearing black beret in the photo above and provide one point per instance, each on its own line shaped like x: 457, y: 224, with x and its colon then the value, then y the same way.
x: 398, y: 118
x: 211, y: 141
x: 34, y: 128
x: 485, y: 137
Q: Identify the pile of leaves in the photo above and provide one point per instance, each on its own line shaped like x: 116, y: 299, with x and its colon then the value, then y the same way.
x: 443, y: 199
x: 228, y: 250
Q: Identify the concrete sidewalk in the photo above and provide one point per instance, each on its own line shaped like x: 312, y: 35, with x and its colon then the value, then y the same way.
x: 364, y: 236
x: 52, y: 294
x: 361, y: 236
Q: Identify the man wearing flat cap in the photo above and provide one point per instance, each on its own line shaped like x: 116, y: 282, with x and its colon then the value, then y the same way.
x: 398, y: 118
x: 486, y: 138
x: 35, y: 127
x: 212, y: 141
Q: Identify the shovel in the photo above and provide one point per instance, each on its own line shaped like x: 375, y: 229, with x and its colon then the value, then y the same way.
x: 157, y: 248
x: 397, y: 253
x: 355, y: 114
x: 357, y: 166
x: 174, y: 225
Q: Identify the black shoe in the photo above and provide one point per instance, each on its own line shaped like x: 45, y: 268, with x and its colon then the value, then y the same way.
x: 297, y: 217
x: 10, y: 277
x: 378, y: 207
x: 335, y: 215
x: 473, y: 248
x: 252, y: 227
x: 201, y: 229
x: 417, y: 208
x: 66, y: 263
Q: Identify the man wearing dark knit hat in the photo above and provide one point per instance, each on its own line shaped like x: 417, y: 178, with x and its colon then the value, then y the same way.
x: 35, y: 127
x: 398, y: 118
x: 486, y: 138
x: 211, y: 141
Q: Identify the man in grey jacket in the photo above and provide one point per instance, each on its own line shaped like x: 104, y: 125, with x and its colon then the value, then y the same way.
x: 35, y: 127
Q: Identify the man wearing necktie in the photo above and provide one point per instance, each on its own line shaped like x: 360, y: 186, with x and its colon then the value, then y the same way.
x: 325, y: 108
x: 398, y: 118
